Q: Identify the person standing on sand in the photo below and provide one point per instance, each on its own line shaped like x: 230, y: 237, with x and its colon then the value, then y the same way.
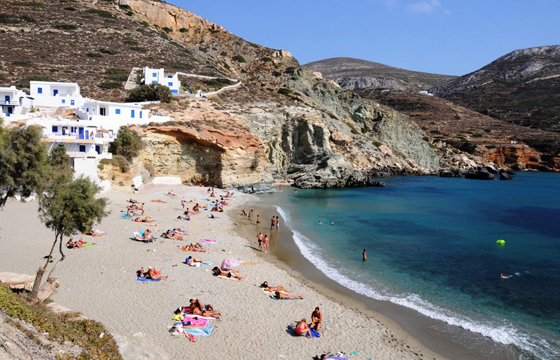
x: 183, y: 202
x: 265, y: 243
x: 260, y: 240
x: 364, y: 255
x: 258, y: 220
x: 272, y: 223
x: 277, y: 223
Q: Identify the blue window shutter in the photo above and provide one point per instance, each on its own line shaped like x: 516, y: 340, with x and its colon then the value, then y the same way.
x: 72, y: 102
x: 154, y: 75
x: 132, y: 113
x: 63, y: 101
x: 140, y: 112
x: 174, y: 91
x: 55, y: 129
x: 39, y: 90
x: 169, y: 84
x: 118, y: 111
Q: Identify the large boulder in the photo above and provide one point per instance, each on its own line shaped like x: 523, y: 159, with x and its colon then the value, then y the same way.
x: 479, y: 174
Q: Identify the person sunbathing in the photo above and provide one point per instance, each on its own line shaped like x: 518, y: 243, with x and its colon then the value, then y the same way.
x: 158, y: 201
x: 130, y: 212
x: 132, y: 201
x: 193, y: 262
x: 219, y: 272
x: 147, y: 219
x: 178, y: 231
x: 278, y: 295
x: 154, y: 274
x: 71, y: 244
x: 141, y: 273
x: 184, y: 217
x: 147, y: 235
x: 196, y: 208
x: 268, y: 288
x: 170, y: 234
x: 170, y: 193
x: 96, y: 232
x: 302, y: 329
x: 196, y: 307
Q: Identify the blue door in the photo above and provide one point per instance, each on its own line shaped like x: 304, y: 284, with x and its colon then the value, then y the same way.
x: 98, y: 149
x: 132, y: 113
x: 80, y: 133
x: 55, y: 92
x: 7, y: 99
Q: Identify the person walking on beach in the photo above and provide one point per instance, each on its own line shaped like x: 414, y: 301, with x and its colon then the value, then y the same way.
x: 183, y: 202
x: 258, y: 220
x: 364, y: 255
x: 142, y: 208
x: 250, y: 214
x: 277, y: 223
x: 260, y: 240
x: 266, y: 240
x: 272, y: 223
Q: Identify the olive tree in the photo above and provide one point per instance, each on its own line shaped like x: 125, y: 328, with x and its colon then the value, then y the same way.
x: 66, y: 206
x: 128, y: 143
x: 24, y: 165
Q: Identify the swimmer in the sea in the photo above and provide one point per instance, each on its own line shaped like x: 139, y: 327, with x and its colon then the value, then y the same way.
x: 505, y: 277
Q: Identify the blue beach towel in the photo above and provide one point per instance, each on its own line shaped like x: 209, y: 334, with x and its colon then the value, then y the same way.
x: 198, y: 331
x: 146, y: 279
x: 314, y: 333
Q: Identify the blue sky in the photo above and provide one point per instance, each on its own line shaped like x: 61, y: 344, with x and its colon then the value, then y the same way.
x: 451, y: 37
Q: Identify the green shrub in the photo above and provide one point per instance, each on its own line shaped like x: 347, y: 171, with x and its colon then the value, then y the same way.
x: 14, y: 307
x: 70, y: 8
x: 219, y: 82
x: 183, y: 30
x: 276, y: 73
x: 267, y: 59
x: 376, y: 143
x: 127, y: 145
x: 108, y: 51
x: 284, y: 91
x: 435, y: 132
x: 167, y: 29
x: 94, y: 55
x: 121, y: 162
x: 239, y: 59
x: 28, y: 3
x: 102, y: 13
x: 66, y: 26
x: 22, y: 63
x: 150, y: 92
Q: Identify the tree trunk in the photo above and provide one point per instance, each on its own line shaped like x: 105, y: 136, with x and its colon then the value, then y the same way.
x: 47, y: 289
x: 39, y: 277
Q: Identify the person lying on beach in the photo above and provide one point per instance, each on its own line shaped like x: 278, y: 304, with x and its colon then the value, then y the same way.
x: 216, y: 271
x: 196, y: 247
x: 269, y: 288
x: 278, y: 295
x: 141, y: 273
x: 132, y: 201
x: 132, y: 207
x: 178, y: 231
x: 158, y: 201
x: 154, y: 274
x: 170, y: 234
x: 198, y: 308
x: 147, y: 219
x: 316, y: 319
x: 130, y: 212
x: 75, y: 244
x: 147, y: 235
x: 96, y: 232
x: 170, y: 193
x: 184, y: 217
x: 302, y: 329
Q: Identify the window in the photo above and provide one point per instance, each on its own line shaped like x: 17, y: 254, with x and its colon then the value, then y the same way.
x: 154, y: 74
x: 103, y: 111
x: 170, y: 76
x: 39, y: 90
x: 170, y: 84
x: 118, y: 111
x: 140, y: 112
x: 154, y: 82
x: 55, y: 129
x: 82, y: 148
x: 73, y: 129
x: 132, y: 113
x: 63, y: 101
x: 98, y: 149
x: 174, y: 91
x: 72, y: 102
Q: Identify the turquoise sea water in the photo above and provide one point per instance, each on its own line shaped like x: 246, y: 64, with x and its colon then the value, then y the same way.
x: 431, y: 244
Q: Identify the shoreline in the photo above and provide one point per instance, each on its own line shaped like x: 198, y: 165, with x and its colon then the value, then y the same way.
x: 444, y: 340
x: 100, y: 283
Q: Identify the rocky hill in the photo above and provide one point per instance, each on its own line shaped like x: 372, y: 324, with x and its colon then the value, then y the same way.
x: 284, y: 120
x: 355, y: 74
x: 522, y: 87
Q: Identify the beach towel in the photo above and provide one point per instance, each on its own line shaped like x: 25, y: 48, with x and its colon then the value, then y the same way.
x: 146, y: 279
x: 274, y: 298
x: 272, y: 292
x: 200, y: 330
x: 88, y: 245
x: 314, y: 333
x: 210, y: 241
x: 125, y: 216
x: 227, y: 278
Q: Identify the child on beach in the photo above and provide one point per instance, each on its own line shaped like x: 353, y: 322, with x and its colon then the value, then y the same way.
x: 258, y: 220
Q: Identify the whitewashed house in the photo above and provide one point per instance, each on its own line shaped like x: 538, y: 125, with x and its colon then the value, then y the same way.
x: 86, y: 142
x: 56, y: 94
x: 158, y: 76
x: 15, y: 103
x: 113, y: 115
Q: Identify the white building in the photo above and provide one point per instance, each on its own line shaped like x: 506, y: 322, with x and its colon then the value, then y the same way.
x: 55, y: 94
x: 86, y: 142
x: 158, y: 76
x: 113, y: 115
x: 15, y: 103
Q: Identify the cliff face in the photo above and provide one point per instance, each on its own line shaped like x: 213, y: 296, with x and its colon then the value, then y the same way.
x: 522, y: 157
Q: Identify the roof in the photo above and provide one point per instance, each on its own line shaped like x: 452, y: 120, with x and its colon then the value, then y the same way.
x: 54, y: 83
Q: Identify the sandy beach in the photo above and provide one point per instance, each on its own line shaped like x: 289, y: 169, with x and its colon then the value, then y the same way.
x: 100, y: 282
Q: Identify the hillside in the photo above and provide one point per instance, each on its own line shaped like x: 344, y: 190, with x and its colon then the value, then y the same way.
x: 355, y: 74
x: 282, y: 121
x: 522, y: 87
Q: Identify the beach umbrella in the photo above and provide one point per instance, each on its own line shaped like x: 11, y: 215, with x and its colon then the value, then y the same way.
x: 229, y: 263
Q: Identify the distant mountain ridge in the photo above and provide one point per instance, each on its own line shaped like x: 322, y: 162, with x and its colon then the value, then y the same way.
x: 354, y: 74
x: 522, y: 87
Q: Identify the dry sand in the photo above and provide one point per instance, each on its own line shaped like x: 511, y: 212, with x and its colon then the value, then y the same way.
x: 100, y: 282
